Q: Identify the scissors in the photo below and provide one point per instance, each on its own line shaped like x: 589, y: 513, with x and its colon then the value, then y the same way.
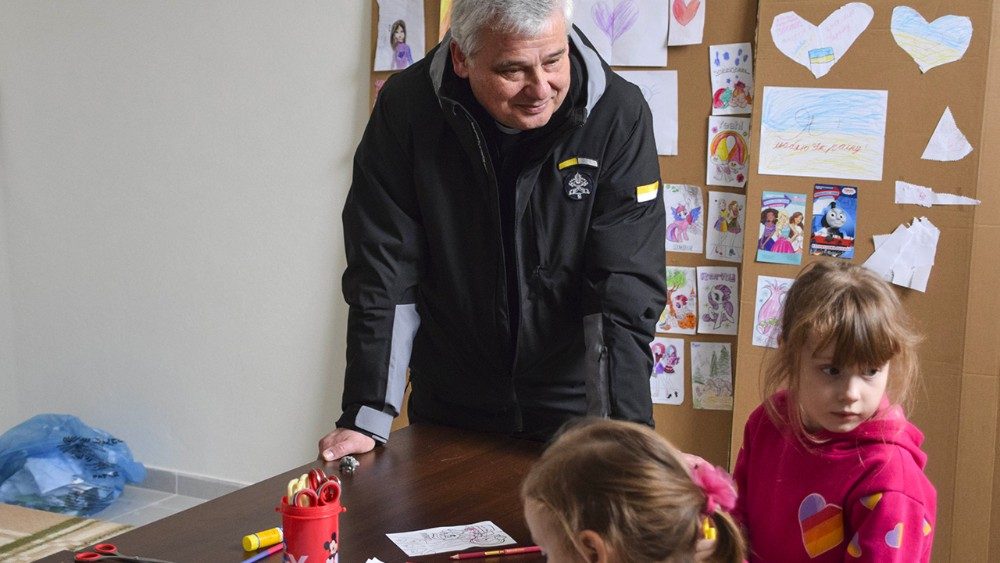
x: 327, y: 493
x: 109, y: 551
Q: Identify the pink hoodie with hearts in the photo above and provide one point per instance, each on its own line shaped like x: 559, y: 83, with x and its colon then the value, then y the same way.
x: 856, y: 496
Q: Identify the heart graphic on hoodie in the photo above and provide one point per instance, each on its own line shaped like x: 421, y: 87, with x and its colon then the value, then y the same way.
x: 684, y: 12
x: 894, y: 537
x: 822, y: 524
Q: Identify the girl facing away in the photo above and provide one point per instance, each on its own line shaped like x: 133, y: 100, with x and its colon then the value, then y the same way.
x: 611, y: 491
x: 830, y: 469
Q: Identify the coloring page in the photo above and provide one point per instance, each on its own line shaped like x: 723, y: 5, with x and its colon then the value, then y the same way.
x: 625, y: 32
x: 768, y: 308
x: 728, y: 150
x: 450, y: 538
x: 680, y: 316
x: 687, y: 21
x: 400, y: 40
x: 666, y: 383
x: 726, y: 221
x: 712, y: 375
x: 731, y: 69
x: 685, y: 220
x: 718, y: 300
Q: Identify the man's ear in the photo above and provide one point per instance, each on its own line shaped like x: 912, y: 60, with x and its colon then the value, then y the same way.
x: 459, y: 61
x: 593, y: 546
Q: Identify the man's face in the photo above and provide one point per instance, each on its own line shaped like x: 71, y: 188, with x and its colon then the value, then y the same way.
x: 521, y: 81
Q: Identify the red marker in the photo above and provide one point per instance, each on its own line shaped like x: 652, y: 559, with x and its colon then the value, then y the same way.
x: 508, y: 551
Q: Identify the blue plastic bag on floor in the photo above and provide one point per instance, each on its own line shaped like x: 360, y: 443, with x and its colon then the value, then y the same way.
x: 57, y: 463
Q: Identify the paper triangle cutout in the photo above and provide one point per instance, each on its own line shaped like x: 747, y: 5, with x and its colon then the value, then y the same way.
x: 947, y: 142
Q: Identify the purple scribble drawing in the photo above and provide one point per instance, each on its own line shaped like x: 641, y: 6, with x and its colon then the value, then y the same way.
x: 614, y: 23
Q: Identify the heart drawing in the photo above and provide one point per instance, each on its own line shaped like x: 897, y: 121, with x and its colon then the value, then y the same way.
x: 818, y: 48
x: 684, y: 12
x: 615, y: 22
x: 930, y: 44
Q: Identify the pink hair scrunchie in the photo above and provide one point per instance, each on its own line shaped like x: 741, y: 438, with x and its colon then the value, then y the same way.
x: 715, y: 482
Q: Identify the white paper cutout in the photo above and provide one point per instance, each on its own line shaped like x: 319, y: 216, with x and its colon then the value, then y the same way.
x: 659, y: 87
x: 625, y: 32
x: 931, y: 44
x: 718, y: 300
x: 450, y: 538
x: 947, y: 143
x: 712, y: 375
x: 823, y: 132
x: 725, y: 224
x: 731, y: 70
x: 680, y: 316
x: 666, y: 383
x: 728, y: 151
x: 769, y: 305
x: 687, y: 21
x: 685, y: 218
x: 906, y: 257
x: 926, y: 197
x: 391, y: 54
x: 818, y: 48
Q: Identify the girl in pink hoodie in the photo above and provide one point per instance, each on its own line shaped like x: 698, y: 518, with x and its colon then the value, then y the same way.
x: 830, y: 469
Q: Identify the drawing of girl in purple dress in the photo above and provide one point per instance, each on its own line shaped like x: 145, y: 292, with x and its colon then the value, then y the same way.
x: 768, y: 217
x: 401, y: 55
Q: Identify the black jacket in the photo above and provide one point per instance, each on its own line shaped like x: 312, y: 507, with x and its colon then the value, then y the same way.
x: 426, y: 279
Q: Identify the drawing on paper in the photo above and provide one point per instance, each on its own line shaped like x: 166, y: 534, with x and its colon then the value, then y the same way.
x: 818, y: 48
x: 823, y: 132
x: 680, y: 316
x: 947, y: 143
x: 728, y: 139
x: 400, y: 40
x: 687, y: 21
x: 450, y: 538
x: 625, y: 32
x: 732, y: 78
x: 717, y: 300
x: 725, y: 240
x: 711, y: 375
x: 932, y: 44
x: 834, y: 221
x: 666, y: 383
x: 659, y: 88
x: 685, y: 224
x: 782, y: 228
x: 769, y: 306
x: 615, y: 21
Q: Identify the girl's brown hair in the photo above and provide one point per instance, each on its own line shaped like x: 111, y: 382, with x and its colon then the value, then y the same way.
x: 858, y: 313
x: 625, y: 482
x: 392, y: 32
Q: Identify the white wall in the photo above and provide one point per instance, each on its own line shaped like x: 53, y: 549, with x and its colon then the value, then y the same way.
x: 9, y: 404
x: 175, y: 173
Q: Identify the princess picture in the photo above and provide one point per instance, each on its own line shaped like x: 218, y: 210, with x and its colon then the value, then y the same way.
x: 401, y: 55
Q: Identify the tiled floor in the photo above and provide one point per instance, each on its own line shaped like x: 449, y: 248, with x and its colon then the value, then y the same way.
x: 138, y: 506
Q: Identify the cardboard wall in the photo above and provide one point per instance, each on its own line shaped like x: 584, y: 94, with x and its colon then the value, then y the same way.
x: 956, y: 406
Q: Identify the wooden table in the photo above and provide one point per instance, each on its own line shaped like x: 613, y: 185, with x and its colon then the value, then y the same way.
x: 428, y: 476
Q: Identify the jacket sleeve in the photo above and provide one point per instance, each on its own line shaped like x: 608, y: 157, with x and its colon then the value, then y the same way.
x: 624, y: 261
x: 383, y: 238
x: 889, y: 527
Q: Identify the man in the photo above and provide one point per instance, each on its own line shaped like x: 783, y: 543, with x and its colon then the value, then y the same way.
x: 504, y: 236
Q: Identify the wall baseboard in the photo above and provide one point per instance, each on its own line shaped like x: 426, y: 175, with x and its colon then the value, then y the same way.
x: 187, y: 484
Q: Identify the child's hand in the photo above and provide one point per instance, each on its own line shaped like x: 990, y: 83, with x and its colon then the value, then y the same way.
x: 703, y: 550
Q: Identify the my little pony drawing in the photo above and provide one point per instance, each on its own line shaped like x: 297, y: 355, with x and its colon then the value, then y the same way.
x: 722, y: 308
x: 683, y: 219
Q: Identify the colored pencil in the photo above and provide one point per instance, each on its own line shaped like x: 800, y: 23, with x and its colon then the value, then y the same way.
x: 508, y: 551
x: 271, y: 550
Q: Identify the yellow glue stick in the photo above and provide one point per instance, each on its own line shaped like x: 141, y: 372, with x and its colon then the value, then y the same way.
x: 266, y: 538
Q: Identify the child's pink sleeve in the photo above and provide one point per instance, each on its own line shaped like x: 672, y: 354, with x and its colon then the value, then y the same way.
x: 891, y: 526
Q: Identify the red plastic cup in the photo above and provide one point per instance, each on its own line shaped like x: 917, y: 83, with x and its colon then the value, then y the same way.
x: 312, y: 533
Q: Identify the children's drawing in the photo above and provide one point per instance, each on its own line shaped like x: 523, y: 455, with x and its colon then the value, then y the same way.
x: 930, y: 44
x: 906, y: 256
x: 400, y: 40
x: 731, y: 68
x: 659, y: 87
x: 666, y: 383
x: 718, y: 300
x: 728, y: 150
x: 444, y: 18
x: 834, y: 221
x: 818, y: 48
x: 450, y: 538
x: 680, y: 316
x: 727, y: 219
x: 625, y: 32
x: 684, y: 218
x: 926, y: 197
x: 782, y: 228
x: 829, y: 133
x: 712, y: 375
x: 947, y: 143
x: 768, y: 308
x: 687, y: 21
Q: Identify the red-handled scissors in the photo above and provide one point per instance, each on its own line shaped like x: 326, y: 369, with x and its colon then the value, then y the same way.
x: 109, y: 551
x: 327, y: 493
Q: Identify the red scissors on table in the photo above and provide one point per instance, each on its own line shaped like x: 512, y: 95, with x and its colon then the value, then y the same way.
x: 109, y: 551
x: 327, y: 492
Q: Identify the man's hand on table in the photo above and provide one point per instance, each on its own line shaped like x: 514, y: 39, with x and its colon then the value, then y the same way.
x: 344, y: 441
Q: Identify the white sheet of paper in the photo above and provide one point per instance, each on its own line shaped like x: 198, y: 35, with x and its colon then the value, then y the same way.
x: 625, y: 32
x: 731, y: 70
x: 820, y: 47
x: 879, y: 239
x: 659, y: 87
x: 724, y: 226
x: 450, y: 538
x: 687, y: 21
x: 685, y: 218
x: 930, y: 44
x: 666, y: 383
x: 907, y: 256
x: 948, y: 143
x: 769, y: 305
x: 823, y: 132
x: 718, y: 300
x: 926, y: 197
x: 411, y: 13
x: 711, y: 375
x: 728, y: 151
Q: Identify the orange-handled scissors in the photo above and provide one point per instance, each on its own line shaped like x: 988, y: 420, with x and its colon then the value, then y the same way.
x: 109, y: 551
